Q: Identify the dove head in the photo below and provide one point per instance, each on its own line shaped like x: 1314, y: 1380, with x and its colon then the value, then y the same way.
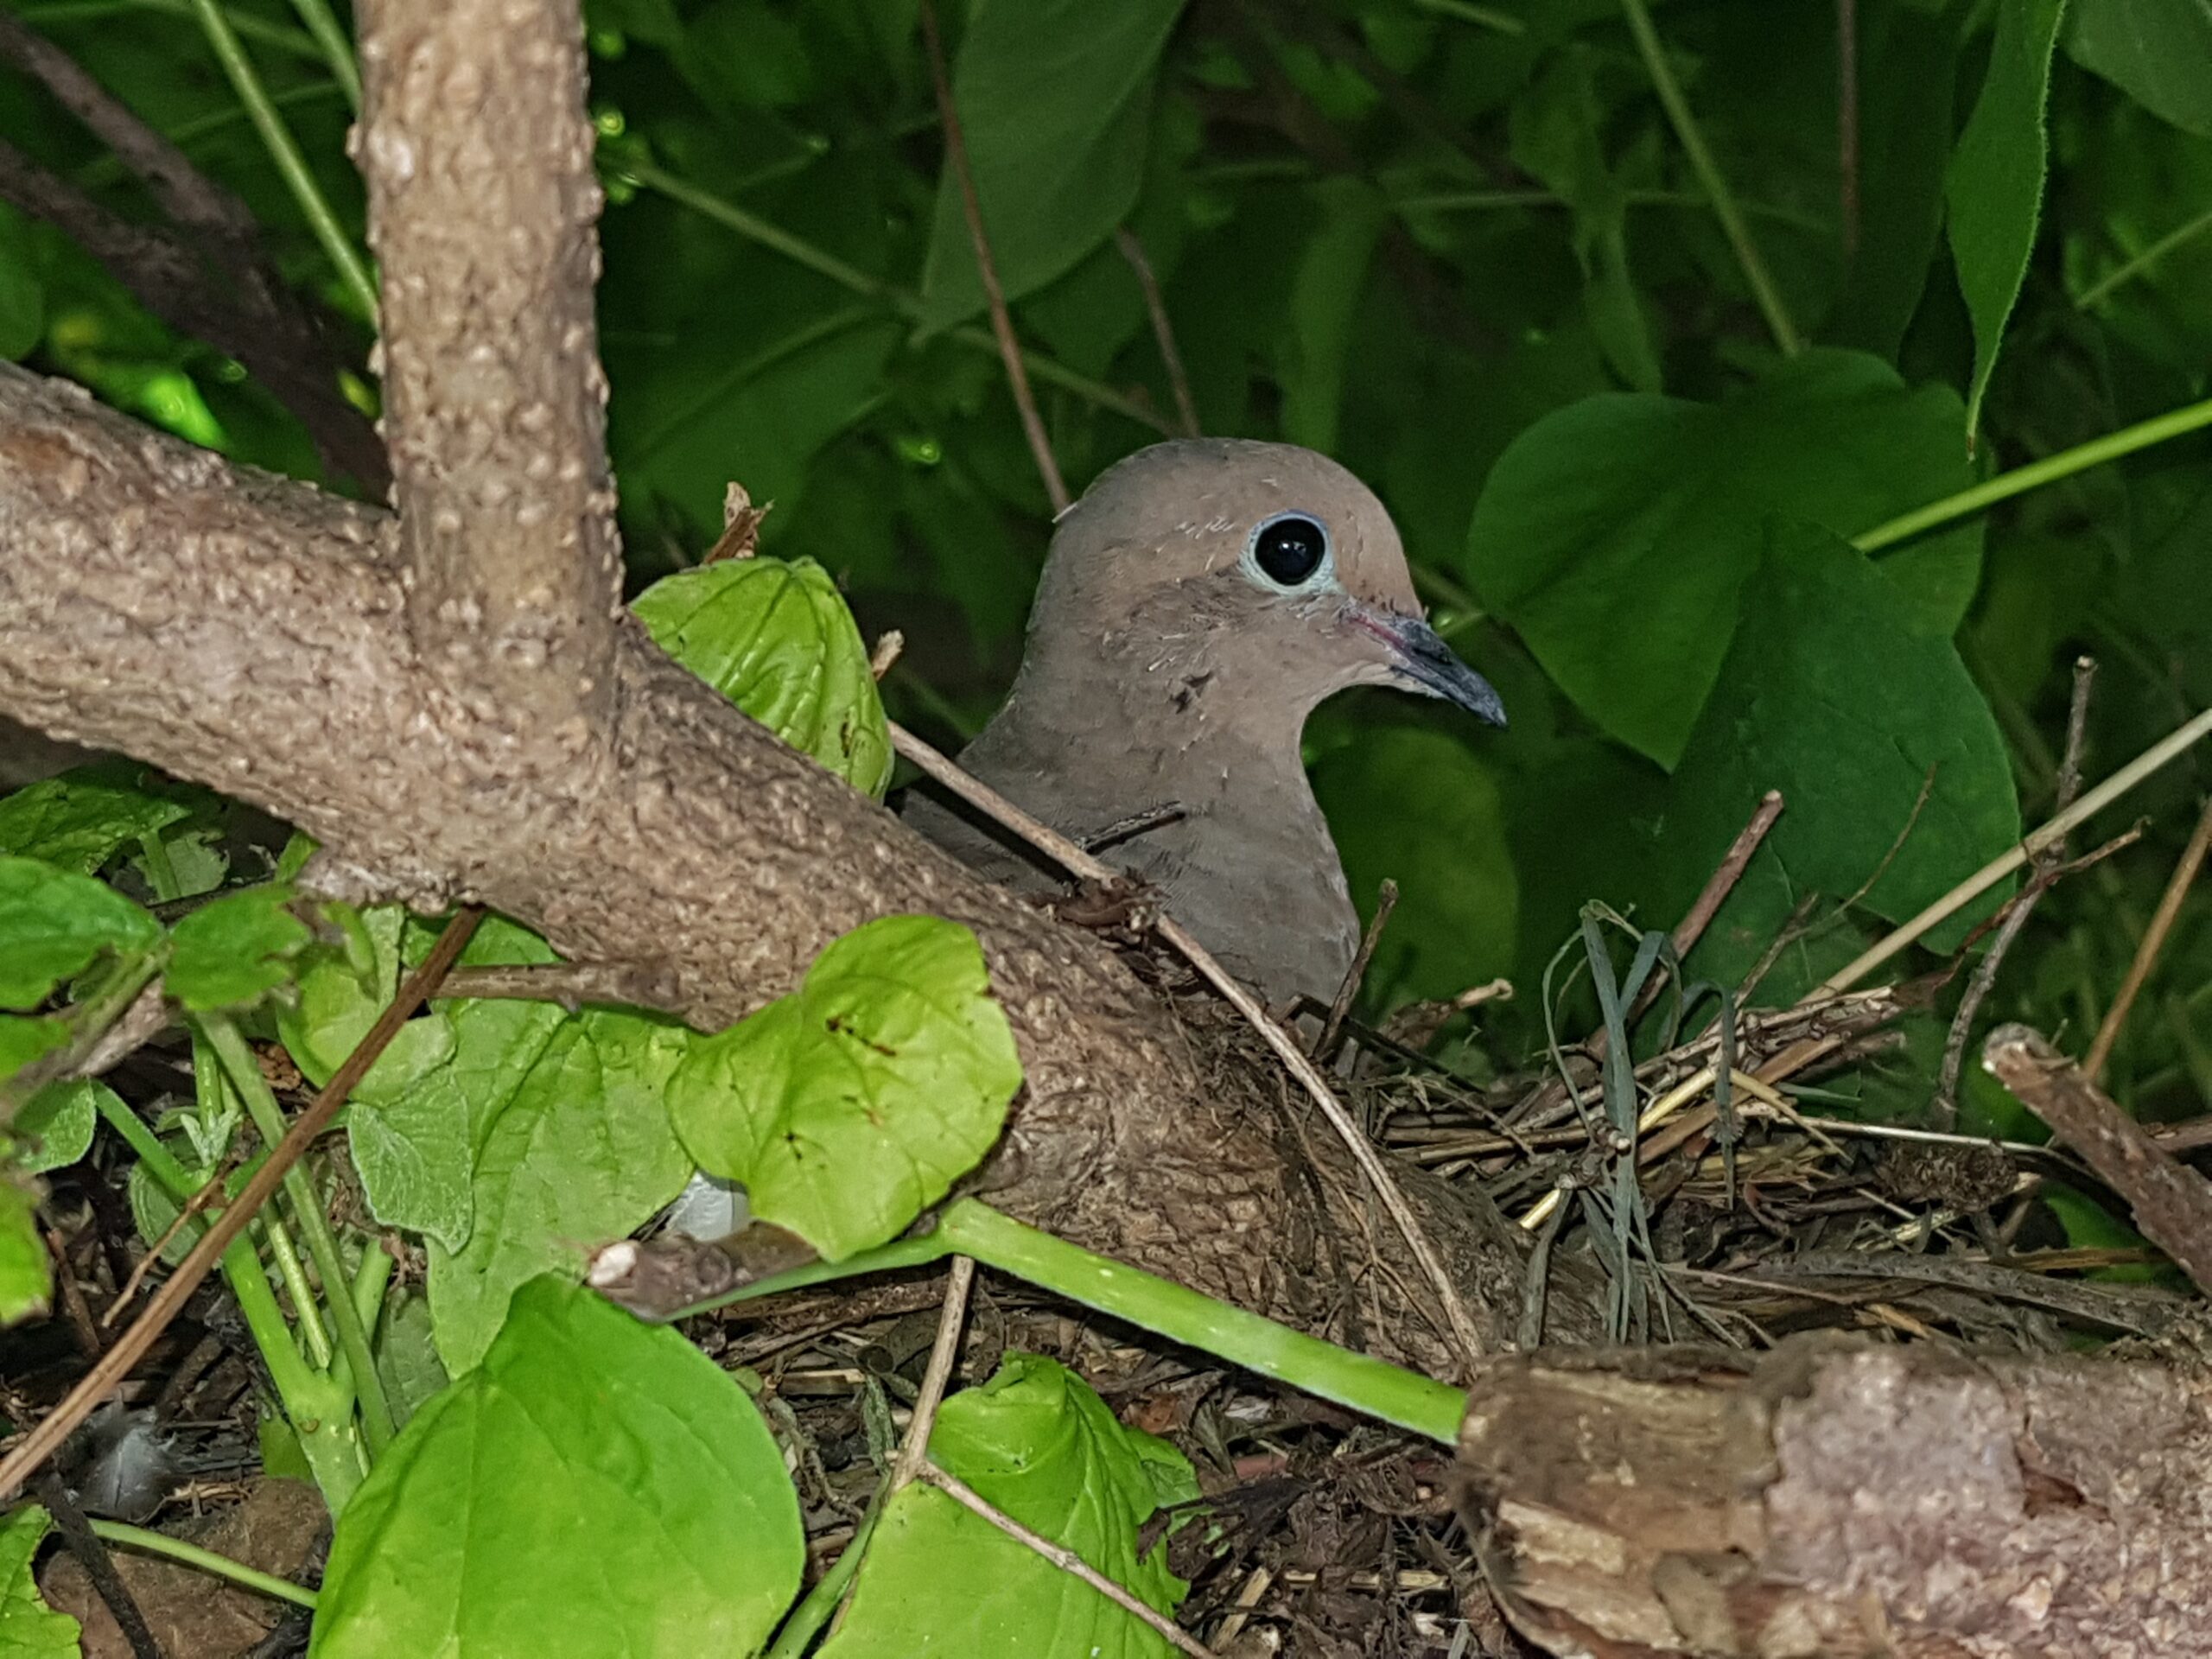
x: 1224, y: 575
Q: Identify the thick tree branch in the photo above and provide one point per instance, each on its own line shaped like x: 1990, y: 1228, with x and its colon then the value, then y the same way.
x: 482, y: 203
x: 252, y: 634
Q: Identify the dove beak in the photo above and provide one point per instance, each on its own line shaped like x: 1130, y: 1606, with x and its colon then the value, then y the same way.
x: 1419, y: 658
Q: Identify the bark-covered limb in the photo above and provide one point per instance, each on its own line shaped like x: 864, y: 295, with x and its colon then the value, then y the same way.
x: 252, y: 634
x: 477, y: 151
x: 1842, y: 1497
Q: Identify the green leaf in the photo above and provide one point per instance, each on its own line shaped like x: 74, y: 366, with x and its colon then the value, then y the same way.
x: 777, y: 640
x: 1907, y: 85
x: 234, y: 951
x: 29, y: 1629
x: 58, y: 1120
x: 597, y: 1486
x: 81, y: 818
x: 407, y: 1356
x: 1557, y: 127
x: 853, y: 1104
x: 1995, y: 190
x: 25, y: 1276
x: 1040, y: 1447
x: 1055, y: 103
x: 53, y: 923
x: 23, y: 1040
x: 1833, y: 696
x: 1615, y: 534
x: 581, y: 1152
x: 2159, y: 52
x: 1458, y: 911
x: 416, y: 1119
x: 1323, y: 301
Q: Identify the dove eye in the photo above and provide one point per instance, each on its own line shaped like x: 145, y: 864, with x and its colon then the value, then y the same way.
x: 1288, y: 549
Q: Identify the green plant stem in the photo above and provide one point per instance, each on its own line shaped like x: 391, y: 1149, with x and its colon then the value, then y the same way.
x: 1446, y: 202
x: 161, y: 869
x: 284, y: 151
x: 1374, y: 1387
x: 2049, y: 470
x: 314, y: 1226
x: 898, y: 300
x: 2101, y: 289
x: 294, y: 1272
x: 1502, y: 23
x: 337, y: 50
x: 1709, y: 178
x: 821, y: 1602
x: 175, y: 1549
x: 319, y: 1413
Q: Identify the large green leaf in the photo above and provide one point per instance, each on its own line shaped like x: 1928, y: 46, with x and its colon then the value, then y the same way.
x: 81, y: 818
x: 53, y: 923
x: 579, y: 1152
x: 1615, y: 534
x: 1996, y: 180
x: 1055, y: 102
x: 29, y: 1628
x: 777, y: 640
x: 596, y: 1487
x: 2159, y: 52
x: 1040, y: 1447
x: 57, y: 1123
x: 416, y: 1119
x: 1457, y: 911
x: 1837, y: 698
x: 25, y: 1276
x: 235, y: 950
x: 851, y: 1105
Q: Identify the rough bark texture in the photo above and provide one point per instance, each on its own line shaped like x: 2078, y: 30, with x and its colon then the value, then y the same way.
x: 1845, y: 1498
x: 482, y: 205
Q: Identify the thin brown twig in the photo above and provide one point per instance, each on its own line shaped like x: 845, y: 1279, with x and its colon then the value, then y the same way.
x: 1017, y: 375
x: 210, y: 1190
x: 570, y: 984
x: 1723, y: 880
x: 1386, y: 901
x: 2152, y: 942
x: 1944, y: 1109
x: 1163, y: 331
x: 1066, y: 1560
x: 100, y: 1567
x: 2172, y: 1204
x: 132, y: 1346
x: 1458, y: 1322
x: 944, y: 1353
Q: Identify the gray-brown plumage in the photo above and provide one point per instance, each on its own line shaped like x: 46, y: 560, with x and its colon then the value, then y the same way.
x: 1199, y: 602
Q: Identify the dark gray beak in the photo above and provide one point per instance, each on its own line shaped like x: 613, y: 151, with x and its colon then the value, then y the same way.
x: 1419, y: 656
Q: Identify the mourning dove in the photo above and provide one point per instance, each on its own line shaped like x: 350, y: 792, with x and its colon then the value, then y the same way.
x: 1197, y: 603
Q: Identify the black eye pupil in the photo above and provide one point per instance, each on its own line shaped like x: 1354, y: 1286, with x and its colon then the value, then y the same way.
x: 1290, y: 548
